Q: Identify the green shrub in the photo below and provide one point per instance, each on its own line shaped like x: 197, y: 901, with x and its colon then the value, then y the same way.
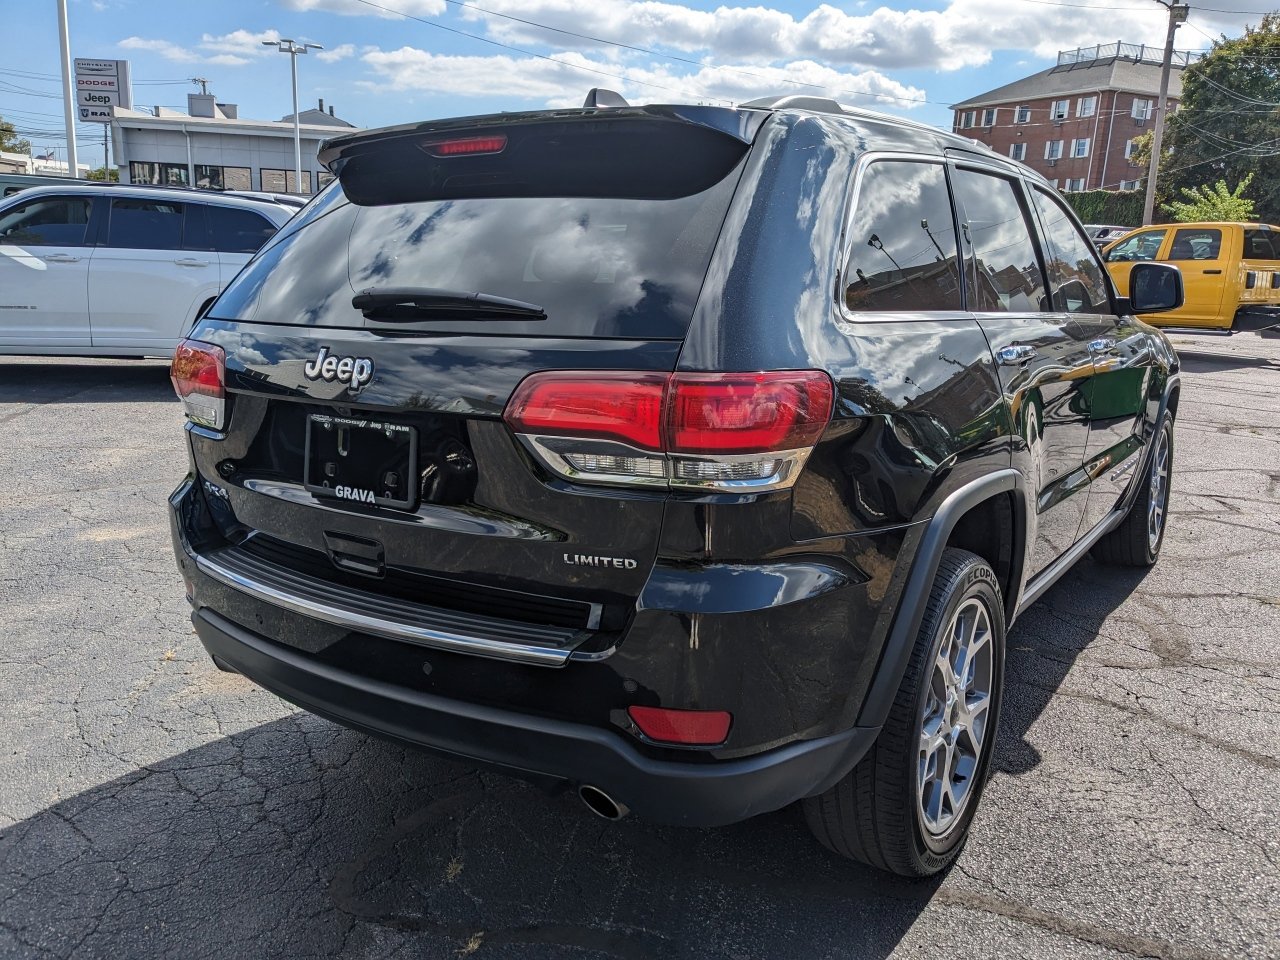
x: 1123, y: 208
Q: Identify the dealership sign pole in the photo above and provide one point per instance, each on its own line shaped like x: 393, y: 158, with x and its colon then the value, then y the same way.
x: 68, y: 95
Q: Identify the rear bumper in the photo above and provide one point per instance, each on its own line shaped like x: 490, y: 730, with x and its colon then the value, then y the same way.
x: 693, y: 794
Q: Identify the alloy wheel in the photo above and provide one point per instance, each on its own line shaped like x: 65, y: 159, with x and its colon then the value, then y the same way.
x: 1158, y: 495
x: 954, y: 728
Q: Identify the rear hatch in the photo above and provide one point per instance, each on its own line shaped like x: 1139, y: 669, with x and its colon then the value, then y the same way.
x: 372, y: 347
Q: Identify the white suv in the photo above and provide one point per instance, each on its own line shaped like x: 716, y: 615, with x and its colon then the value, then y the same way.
x: 119, y: 270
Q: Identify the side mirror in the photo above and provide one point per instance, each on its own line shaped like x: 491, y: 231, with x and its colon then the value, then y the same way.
x: 1155, y: 287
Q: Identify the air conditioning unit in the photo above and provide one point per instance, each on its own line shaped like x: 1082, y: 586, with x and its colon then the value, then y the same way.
x: 1139, y: 121
x: 1059, y: 121
x: 1053, y: 161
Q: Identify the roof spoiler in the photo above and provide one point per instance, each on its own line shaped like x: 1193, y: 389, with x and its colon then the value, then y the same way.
x: 739, y: 124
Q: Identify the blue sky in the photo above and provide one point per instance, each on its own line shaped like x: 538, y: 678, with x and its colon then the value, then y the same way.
x: 446, y: 58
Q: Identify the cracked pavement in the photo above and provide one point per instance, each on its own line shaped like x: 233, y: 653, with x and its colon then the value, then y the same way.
x: 152, y: 806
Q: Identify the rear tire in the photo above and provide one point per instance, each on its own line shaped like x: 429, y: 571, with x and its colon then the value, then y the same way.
x: 1137, y: 541
x: 907, y: 806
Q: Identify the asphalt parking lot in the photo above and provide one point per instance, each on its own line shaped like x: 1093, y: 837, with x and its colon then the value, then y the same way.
x: 152, y: 806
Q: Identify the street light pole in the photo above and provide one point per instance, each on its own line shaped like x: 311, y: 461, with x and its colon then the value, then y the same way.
x: 68, y: 92
x: 294, y: 50
x: 1177, y: 14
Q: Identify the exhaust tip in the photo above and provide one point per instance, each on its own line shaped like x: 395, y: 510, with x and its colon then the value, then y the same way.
x: 600, y: 803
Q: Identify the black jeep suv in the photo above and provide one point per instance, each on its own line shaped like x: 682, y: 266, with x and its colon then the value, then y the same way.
x: 698, y: 458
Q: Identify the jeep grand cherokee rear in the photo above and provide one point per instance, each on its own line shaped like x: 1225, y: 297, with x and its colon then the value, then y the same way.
x: 545, y: 440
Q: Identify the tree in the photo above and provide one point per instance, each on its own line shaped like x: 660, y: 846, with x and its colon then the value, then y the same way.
x: 10, y: 142
x: 102, y: 173
x: 1212, y: 203
x: 1228, y: 122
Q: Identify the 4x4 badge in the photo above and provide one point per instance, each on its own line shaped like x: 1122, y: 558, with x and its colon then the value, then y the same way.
x: 356, y: 371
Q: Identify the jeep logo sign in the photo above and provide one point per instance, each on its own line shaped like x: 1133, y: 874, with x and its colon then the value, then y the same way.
x: 353, y: 371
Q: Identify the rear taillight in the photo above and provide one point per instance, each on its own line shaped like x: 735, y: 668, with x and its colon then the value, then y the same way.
x: 198, y: 373
x: 723, y: 431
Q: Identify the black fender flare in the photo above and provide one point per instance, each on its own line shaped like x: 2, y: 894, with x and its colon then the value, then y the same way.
x: 924, y: 568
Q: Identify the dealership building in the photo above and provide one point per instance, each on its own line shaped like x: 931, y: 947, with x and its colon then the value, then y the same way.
x: 211, y: 146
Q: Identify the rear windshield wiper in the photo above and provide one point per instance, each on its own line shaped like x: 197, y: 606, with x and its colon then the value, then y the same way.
x: 427, y: 303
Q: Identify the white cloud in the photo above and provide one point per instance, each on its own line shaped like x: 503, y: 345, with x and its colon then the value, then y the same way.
x: 354, y: 8
x: 965, y: 33
x: 337, y: 53
x: 564, y: 81
x: 232, y: 49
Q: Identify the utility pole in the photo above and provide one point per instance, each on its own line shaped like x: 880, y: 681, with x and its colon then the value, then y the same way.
x: 203, y: 83
x: 1177, y: 14
x: 294, y: 50
x: 68, y: 91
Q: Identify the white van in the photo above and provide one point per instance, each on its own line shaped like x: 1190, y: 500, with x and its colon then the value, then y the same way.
x: 113, y: 271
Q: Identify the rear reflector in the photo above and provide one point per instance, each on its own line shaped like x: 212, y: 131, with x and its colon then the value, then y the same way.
x: 466, y: 146
x: 198, y: 375
x: 719, y: 431
x: 690, y: 727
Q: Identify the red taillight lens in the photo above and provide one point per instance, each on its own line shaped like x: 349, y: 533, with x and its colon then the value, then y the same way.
x: 692, y: 727
x: 747, y: 413
x: 198, y: 375
x: 623, y: 406
x: 713, y: 431
x: 466, y: 146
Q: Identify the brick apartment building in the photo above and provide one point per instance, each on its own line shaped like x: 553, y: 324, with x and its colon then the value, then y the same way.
x: 1075, y: 122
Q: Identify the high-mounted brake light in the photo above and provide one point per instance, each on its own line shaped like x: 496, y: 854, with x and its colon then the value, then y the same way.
x: 466, y: 146
x: 692, y: 727
x: 720, y: 431
x: 198, y: 373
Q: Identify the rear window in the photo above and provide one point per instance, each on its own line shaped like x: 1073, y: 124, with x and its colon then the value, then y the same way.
x: 598, y: 265
x: 1261, y: 245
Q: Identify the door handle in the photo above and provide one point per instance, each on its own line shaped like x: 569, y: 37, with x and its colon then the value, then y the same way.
x: 61, y: 258
x: 1016, y: 354
x: 191, y: 262
x: 1102, y: 345
x: 1214, y: 272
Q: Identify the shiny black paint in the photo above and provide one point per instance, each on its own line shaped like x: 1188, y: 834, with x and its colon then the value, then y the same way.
x: 778, y: 607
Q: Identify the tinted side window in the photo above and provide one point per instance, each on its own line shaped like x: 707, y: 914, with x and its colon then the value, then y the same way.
x: 1075, y: 278
x: 237, y: 231
x: 1141, y: 246
x: 1005, y: 272
x: 145, y: 224
x: 47, y: 222
x: 903, y: 240
x: 1196, y: 244
x: 1261, y: 245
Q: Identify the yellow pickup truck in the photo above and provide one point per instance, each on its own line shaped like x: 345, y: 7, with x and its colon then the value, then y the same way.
x: 1230, y: 272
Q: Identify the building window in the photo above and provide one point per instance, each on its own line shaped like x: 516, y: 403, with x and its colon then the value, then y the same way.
x: 323, y: 179
x: 1053, y: 150
x: 1142, y: 110
x: 1086, y: 107
x: 1080, y: 148
x: 1018, y: 151
x: 1055, y: 182
x: 988, y: 118
x: 966, y: 119
x: 1129, y: 184
x: 1060, y: 109
x: 223, y: 178
x: 1074, y: 185
x: 166, y: 174
x: 1022, y: 115
x: 282, y: 181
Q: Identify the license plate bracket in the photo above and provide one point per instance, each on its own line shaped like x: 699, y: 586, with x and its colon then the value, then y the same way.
x: 361, y: 461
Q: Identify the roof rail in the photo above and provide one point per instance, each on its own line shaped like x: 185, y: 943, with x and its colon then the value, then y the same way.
x: 795, y: 102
